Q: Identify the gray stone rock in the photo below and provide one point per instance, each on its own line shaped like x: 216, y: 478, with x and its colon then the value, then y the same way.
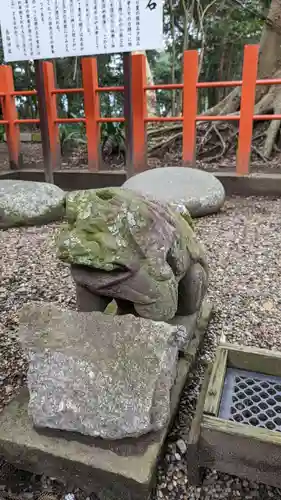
x: 196, y: 326
x: 181, y: 446
x: 88, y: 302
x: 99, y: 375
x: 192, y: 290
x: 201, y: 192
x: 29, y: 203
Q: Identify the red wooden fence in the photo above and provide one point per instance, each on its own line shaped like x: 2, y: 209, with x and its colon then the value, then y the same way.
x: 92, y: 119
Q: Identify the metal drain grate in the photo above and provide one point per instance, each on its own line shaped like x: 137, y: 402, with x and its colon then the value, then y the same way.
x: 252, y: 398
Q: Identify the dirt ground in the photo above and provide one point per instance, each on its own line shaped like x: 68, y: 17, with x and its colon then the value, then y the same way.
x: 33, y: 158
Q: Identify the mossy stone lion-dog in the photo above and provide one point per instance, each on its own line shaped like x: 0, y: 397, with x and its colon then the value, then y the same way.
x: 135, y: 250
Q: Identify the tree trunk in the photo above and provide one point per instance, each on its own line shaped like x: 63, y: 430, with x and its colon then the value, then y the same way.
x: 269, y: 62
x: 151, y: 95
x: 268, y: 97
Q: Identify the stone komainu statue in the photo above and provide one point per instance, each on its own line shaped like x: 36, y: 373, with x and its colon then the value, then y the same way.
x: 125, y: 247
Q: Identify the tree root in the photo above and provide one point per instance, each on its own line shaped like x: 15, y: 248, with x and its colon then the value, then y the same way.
x: 164, y: 144
x: 217, y: 140
x: 273, y: 128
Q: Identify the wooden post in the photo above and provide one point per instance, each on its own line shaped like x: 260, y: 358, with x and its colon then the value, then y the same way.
x: 92, y: 110
x: 128, y: 112
x: 193, y: 456
x: 43, y: 115
x: 51, y: 106
x: 248, y: 94
x: 139, y: 108
x: 190, y: 97
x: 10, y: 114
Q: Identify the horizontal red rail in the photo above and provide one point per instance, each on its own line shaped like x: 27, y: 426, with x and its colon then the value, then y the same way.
x: 18, y: 93
x: 208, y: 85
x: 233, y: 118
x: 167, y: 119
x: 83, y: 120
x: 270, y: 81
x: 110, y: 89
x: 180, y: 86
x: 29, y: 121
x: 70, y: 120
x: 267, y: 117
x: 201, y: 118
x: 81, y: 90
x: 111, y: 120
x: 168, y: 86
x: 164, y: 86
x: 204, y: 85
x: 163, y: 119
x: 67, y: 91
x: 176, y: 86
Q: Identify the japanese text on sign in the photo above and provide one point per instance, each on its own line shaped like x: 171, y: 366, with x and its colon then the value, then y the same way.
x: 42, y: 29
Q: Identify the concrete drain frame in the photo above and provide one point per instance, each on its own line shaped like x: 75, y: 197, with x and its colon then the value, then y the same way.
x: 237, y: 424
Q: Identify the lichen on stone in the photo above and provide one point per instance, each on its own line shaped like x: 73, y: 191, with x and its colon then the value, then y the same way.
x: 25, y: 203
x: 133, y: 248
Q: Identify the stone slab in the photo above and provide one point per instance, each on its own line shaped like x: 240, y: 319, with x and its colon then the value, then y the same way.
x: 121, y: 470
x: 199, y: 191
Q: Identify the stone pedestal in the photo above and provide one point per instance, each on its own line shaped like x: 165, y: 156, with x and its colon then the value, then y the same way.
x: 113, y: 470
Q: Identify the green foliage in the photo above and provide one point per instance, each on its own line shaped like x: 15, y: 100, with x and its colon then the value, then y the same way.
x: 72, y: 135
x: 111, y: 309
x: 219, y: 30
x: 113, y: 139
x: 2, y: 133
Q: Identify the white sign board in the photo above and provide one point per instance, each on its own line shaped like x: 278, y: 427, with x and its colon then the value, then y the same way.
x: 43, y: 29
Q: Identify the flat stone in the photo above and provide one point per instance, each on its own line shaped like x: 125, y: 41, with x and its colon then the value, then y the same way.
x: 99, y: 375
x: 112, y: 470
x: 201, y: 192
x: 27, y: 203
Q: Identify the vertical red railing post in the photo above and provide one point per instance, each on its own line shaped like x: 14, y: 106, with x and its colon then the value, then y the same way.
x: 139, y: 112
x: 92, y: 110
x: 247, y: 106
x: 10, y: 114
x: 51, y: 105
x: 190, y: 98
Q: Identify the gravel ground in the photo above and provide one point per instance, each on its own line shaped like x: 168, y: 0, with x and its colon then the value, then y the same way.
x: 242, y: 244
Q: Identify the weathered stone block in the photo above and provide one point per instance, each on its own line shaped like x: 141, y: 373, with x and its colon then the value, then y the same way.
x: 113, y: 470
x: 107, y: 376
